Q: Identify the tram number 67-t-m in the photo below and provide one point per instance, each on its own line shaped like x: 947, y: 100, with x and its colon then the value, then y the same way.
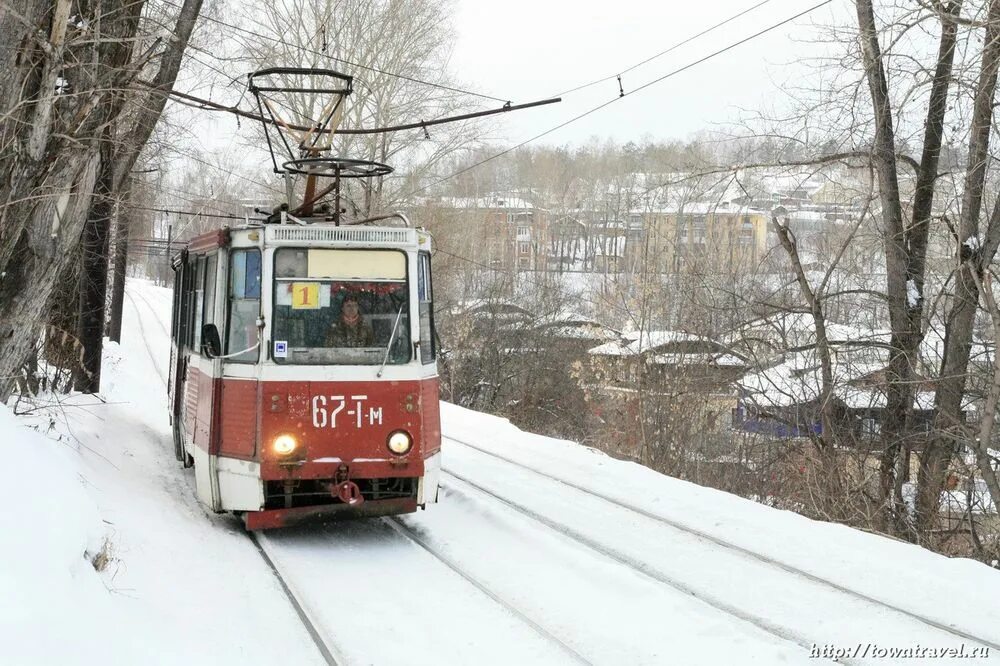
x: 325, y: 412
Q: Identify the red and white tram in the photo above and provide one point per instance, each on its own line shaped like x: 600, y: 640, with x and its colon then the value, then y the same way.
x: 283, y: 418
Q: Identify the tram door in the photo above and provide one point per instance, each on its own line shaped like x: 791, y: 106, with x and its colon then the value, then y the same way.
x: 196, y: 384
x: 177, y: 369
x: 239, y: 312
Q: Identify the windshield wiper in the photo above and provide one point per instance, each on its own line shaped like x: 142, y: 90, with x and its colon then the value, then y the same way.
x: 392, y: 338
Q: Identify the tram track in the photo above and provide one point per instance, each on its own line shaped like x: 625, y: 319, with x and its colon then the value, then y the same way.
x: 717, y: 601
x: 330, y: 654
x: 701, y: 535
x: 145, y: 338
x: 328, y: 651
x: 152, y: 310
x: 411, y: 535
x: 646, y: 570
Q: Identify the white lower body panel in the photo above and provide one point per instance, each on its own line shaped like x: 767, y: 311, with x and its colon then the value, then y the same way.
x: 240, y: 487
x: 427, y: 489
x: 203, y: 477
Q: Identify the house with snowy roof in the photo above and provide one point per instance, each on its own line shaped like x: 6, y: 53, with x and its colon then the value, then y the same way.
x: 572, y: 332
x: 661, y: 387
x: 494, y: 314
x: 765, y: 338
x: 662, y: 361
x: 785, y: 399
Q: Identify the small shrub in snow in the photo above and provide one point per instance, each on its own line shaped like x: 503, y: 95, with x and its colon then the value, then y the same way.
x: 102, y: 558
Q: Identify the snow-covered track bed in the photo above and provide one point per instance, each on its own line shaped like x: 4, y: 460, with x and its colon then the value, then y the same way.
x: 323, y: 644
x: 416, y: 538
x: 132, y: 296
x: 136, y: 292
x: 776, y: 596
x: 607, y: 613
x: 377, y: 595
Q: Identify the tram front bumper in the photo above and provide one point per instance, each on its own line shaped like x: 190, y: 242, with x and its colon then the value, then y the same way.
x: 272, y: 518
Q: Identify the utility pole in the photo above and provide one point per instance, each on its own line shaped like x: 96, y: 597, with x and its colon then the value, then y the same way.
x: 163, y: 269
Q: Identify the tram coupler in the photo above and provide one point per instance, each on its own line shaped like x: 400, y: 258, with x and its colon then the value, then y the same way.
x: 349, y: 493
x: 345, y: 490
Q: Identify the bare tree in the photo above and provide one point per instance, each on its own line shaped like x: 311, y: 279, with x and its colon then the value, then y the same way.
x: 66, y: 105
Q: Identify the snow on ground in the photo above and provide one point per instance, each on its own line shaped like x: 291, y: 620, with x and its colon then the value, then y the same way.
x: 50, y: 529
x: 184, y: 586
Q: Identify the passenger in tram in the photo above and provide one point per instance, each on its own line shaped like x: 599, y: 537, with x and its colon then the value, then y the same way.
x: 351, y: 329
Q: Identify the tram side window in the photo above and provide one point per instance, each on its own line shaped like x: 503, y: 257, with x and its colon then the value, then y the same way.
x: 244, y: 305
x: 177, y: 325
x: 198, y: 304
x: 187, y: 305
x: 426, y: 298
x: 211, y: 270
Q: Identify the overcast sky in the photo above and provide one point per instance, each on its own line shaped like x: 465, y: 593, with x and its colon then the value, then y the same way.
x: 532, y: 49
x: 525, y: 50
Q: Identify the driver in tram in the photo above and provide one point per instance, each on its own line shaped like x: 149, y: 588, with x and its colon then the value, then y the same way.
x: 350, y: 330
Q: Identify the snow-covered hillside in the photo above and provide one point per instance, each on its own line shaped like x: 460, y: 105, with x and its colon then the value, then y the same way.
x: 540, y: 552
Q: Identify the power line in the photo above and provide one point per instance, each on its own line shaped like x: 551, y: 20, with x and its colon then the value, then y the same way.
x: 209, y: 105
x: 232, y: 80
x: 665, y: 52
x: 621, y: 96
x: 342, y: 60
x: 198, y: 200
x: 546, y: 132
x: 239, y: 112
x: 222, y: 169
x: 189, y: 212
x: 571, y: 120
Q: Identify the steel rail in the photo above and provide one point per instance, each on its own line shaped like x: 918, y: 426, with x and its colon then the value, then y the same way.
x: 650, y: 572
x: 145, y: 339
x: 326, y: 650
x: 401, y: 528
x: 149, y: 306
x: 784, y: 566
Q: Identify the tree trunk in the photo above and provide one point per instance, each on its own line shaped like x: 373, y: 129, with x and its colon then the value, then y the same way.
x: 959, y: 323
x: 94, y: 275
x: 36, y: 258
x: 148, y: 112
x: 905, y: 248
x: 896, y: 453
x: 115, y: 167
x: 118, y: 274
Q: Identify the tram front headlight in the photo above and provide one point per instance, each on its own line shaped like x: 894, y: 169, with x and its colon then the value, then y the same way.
x: 283, y: 445
x: 400, y: 442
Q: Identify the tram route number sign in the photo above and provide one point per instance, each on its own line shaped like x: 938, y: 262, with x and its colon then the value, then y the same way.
x: 344, y: 411
x: 305, y: 295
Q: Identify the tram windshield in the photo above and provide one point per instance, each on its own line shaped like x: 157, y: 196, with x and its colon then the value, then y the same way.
x: 340, y: 307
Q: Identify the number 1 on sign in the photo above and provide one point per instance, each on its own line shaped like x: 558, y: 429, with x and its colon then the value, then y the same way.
x: 305, y: 295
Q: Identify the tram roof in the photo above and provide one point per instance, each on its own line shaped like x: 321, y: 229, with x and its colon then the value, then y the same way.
x: 318, y: 233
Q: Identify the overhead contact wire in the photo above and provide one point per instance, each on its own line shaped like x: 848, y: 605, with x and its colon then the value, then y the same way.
x: 623, y: 95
